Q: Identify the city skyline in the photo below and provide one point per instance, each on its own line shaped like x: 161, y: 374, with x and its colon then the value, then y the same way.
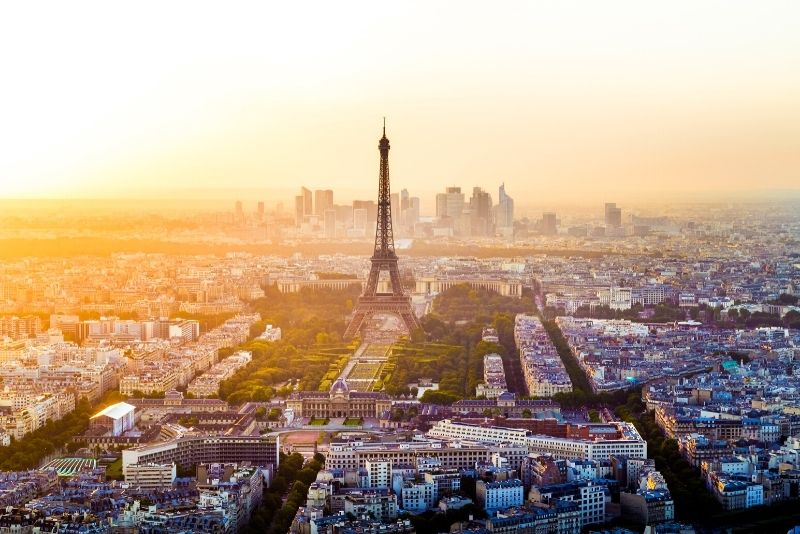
x: 568, y: 302
x: 697, y: 102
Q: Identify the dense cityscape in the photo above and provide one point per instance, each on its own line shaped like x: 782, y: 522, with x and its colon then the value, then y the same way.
x: 587, y: 372
x: 572, y: 306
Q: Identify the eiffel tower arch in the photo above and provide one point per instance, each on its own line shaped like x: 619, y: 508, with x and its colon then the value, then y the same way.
x: 384, y: 259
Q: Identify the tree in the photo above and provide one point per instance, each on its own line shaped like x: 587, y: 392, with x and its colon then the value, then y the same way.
x: 439, y: 397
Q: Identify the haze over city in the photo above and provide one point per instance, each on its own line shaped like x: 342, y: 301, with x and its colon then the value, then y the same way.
x: 561, y: 101
x: 400, y: 268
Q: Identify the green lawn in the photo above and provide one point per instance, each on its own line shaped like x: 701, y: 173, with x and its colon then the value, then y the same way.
x: 354, y: 421
x: 114, y: 470
x: 319, y: 422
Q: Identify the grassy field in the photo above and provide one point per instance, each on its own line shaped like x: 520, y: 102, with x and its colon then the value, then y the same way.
x: 353, y: 421
x: 319, y: 421
x: 114, y: 470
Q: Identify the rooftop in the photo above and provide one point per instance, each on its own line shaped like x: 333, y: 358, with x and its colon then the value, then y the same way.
x: 115, y: 411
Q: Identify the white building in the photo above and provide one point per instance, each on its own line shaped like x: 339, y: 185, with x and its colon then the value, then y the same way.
x: 493, y: 496
x: 754, y: 495
x: 625, y: 441
x: 271, y: 333
x: 418, y: 496
x: 115, y: 419
x: 447, y: 429
x: 150, y: 476
x: 379, y: 473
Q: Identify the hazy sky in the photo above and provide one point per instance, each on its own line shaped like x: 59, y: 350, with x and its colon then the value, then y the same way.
x: 560, y: 100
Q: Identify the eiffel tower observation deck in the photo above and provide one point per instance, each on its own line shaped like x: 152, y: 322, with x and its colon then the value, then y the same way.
x: 384, y: 259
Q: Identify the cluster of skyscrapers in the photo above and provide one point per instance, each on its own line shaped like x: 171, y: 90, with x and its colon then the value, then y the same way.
x: 456, y: 215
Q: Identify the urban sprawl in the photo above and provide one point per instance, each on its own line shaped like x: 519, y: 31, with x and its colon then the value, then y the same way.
x: 688, y: 319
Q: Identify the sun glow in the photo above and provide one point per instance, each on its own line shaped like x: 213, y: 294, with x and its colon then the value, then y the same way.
x: 101, y: 99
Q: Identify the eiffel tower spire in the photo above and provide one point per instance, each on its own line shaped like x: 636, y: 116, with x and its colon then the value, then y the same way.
x: 384, y: 258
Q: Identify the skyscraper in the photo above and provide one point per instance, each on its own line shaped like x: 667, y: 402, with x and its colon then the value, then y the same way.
x: 330, y: 223
x: 450, y: 203
x: 549, y: 223
x: 504, y: 213
x: 480, y: 208
x: 307, y: 202
x: 613, y: 215
x: 299, y: 214
x: 370, y: 209
x: 323, y: 201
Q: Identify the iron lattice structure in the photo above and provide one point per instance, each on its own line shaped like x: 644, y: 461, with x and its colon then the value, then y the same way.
x: 384, y: 259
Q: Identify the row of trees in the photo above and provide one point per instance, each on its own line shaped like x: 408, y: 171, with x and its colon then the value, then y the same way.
x: 463, y: 303
x: 661, y: 313
x: 453, y: 354
x: 312, y: 324
x: 580, y: 382
x: 692, y: 499
x: 743, y: 318
x: 275, y: 514
x: 275, y: 365
x: 669, y: 312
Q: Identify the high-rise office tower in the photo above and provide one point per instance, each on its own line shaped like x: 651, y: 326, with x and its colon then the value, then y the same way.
x: 480, y: 208
x: 360, y: 216
x: 441, y: 205
x: 504, y: 214
x: 370, y: 208
x: 299, y: 214
x: 549, y: 223
x: 613, y: 215
x: 323, y: 201
x: 260, y: 211
x: 330, y: 223
x: 450, y: 203
x: 307, y: 202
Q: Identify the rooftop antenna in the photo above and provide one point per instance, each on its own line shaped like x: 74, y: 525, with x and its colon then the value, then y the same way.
x: 384, y: 126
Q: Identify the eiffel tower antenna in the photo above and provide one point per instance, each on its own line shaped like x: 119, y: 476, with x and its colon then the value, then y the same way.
x: 384, y: 258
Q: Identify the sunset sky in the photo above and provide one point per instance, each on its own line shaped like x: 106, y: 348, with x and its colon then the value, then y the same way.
x: 559, y: 100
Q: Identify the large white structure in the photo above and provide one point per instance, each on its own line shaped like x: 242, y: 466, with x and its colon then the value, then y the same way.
x: 447, y: 429
x: 629, y: 443
x: 623, y: 439
x: 115, y: 419
x: 352, y: 456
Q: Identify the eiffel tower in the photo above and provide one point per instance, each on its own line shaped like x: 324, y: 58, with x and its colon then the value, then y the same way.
x: 384, y: 258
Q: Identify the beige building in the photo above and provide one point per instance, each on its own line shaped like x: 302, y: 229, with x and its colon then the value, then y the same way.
x: 339, y: 402
x: 150, y: 476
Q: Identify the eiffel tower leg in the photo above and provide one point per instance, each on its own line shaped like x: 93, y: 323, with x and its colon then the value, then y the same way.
x: 410, y: 320
x: 355, y: 325
x: 394, y: 274
x: 372, y: 281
